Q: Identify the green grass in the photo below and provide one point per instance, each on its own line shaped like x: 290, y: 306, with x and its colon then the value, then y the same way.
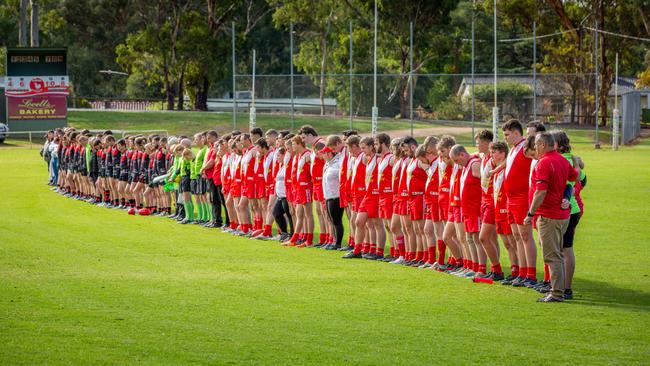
x: 82, y: 285
x: 187, y: 123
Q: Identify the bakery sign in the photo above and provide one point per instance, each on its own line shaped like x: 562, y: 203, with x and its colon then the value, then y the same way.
x: 37, y: 107
x: 20, y: 86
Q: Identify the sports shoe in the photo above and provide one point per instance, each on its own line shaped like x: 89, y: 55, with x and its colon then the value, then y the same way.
x: 568, y: 294
x: 470, y: 274
x: 399, y: 260
x: 508, y: 280
x: 352, y: 255
x: 544, y: 287
x: 550, y: 298
x: 347, y: 249
x: 495, y: 276
x: 262, y: 237
x: 529, y: 283
x: 519, y: 282
x: 368, y: 256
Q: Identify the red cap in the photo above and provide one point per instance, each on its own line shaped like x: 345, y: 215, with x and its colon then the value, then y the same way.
x: 326, y: 150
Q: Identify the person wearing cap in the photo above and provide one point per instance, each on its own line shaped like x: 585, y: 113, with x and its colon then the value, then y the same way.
x: 332, y: 194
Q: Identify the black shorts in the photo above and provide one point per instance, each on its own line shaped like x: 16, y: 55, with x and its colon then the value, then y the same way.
x: 185, y: 185
x: 124, y: 177
x: 201, y: 186
x: 93, y: 176
x: 83, y: 172
x: 193, y: 186
x: 567, y: 240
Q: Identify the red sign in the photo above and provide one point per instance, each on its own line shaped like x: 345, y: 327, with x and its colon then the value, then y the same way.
x: 22, y: 86
x: 53, y: 107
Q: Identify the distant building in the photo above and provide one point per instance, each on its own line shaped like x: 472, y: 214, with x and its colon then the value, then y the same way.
x: 553, y: 95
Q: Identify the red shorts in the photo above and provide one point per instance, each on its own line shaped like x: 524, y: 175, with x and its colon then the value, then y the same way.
x: 386, y: 207
x: 503, y: 227
x: 416, y: 207
x: 302, y: 195
x: 248, y: 189
x: 443, y: 206
x: 270, y: 189
x: 289, y: 192
x: 472, y: 224
x: 356, y: 203
x: 235, y: 189
x: 225, y: 188
x: 401, y: 207
x: 370, y: 205
x: 318, y: 194
x: 260, y: 190
x: 433, y: 209
x: 454, y: 214
x: 487, y: 213
x: 517, y: 213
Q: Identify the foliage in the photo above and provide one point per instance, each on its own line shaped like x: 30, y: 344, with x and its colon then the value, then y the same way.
x: 506, y: 90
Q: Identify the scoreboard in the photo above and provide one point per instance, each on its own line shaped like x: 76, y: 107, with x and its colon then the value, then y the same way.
x: 36, y: 88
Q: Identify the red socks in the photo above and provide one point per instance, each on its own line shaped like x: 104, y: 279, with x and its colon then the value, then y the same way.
x: 432, y: 255
x: 547, y: 274
x: 531, y: 273
x: 380, y: 252
x: 496, y: 268
x: 391, y: 252
x: 267, y: 230
x: 482, y: 268
x: 441, y: 252
x: 514, y: 270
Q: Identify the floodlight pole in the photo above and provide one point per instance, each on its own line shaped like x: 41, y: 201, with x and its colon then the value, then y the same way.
x: 375, y: 111
x: 252, y: 107
x: 495, y: 109
x: 534, y: 70
x: 597, y: 91
x: 411, y: 75
x: 473, y: 69
x: 616, y: 118
x: 234, y: 84
x: 351, y: 74
x: 291, y: 72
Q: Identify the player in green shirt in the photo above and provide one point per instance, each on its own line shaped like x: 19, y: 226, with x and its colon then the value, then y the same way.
x: 185, y: 186
x: 200, y: 183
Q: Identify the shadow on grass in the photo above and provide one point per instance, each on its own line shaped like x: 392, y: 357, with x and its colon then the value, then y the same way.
x: 598, y: 293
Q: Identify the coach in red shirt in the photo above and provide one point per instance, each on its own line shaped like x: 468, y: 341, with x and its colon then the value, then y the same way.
x: 550, y: 177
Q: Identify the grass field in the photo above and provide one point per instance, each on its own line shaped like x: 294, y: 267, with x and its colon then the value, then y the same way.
x: 83, y: 285
x: 188, y: 123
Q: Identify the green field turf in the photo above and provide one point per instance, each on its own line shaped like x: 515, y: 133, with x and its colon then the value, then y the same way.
x: 188, y: 123
x: 83, y: 285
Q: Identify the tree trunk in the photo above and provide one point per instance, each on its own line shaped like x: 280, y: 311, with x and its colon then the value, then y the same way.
x: 22, y: 24
x: 35, y: 26
x: 323, y: 69
x: 201, y: 97
x: 180, y: 91
x: 404, y: 105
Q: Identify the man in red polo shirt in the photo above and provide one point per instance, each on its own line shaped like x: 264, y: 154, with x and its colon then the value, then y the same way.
x: 550, y: 176
x: 516, y: 188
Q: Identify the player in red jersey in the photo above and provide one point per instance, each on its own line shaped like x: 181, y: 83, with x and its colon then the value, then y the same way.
x: 516, y: 183
x: 404, y: 255
x: 433, y: 226
x: 498, y: 152
x: 303, y: 192
x: 263, y: 153
x: 397, y: 246
x: 316, y: 143
x: 416, y: 182
x: 470, y: 202
x: 385, y: 162
x: 354, y: 152
x: 268, y: 173
x: 370, y: 203
x: 357, y: 167
x: 247, y: 176
x: 257, y: 190
x: 236, y: 148
x: 488, y: 235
